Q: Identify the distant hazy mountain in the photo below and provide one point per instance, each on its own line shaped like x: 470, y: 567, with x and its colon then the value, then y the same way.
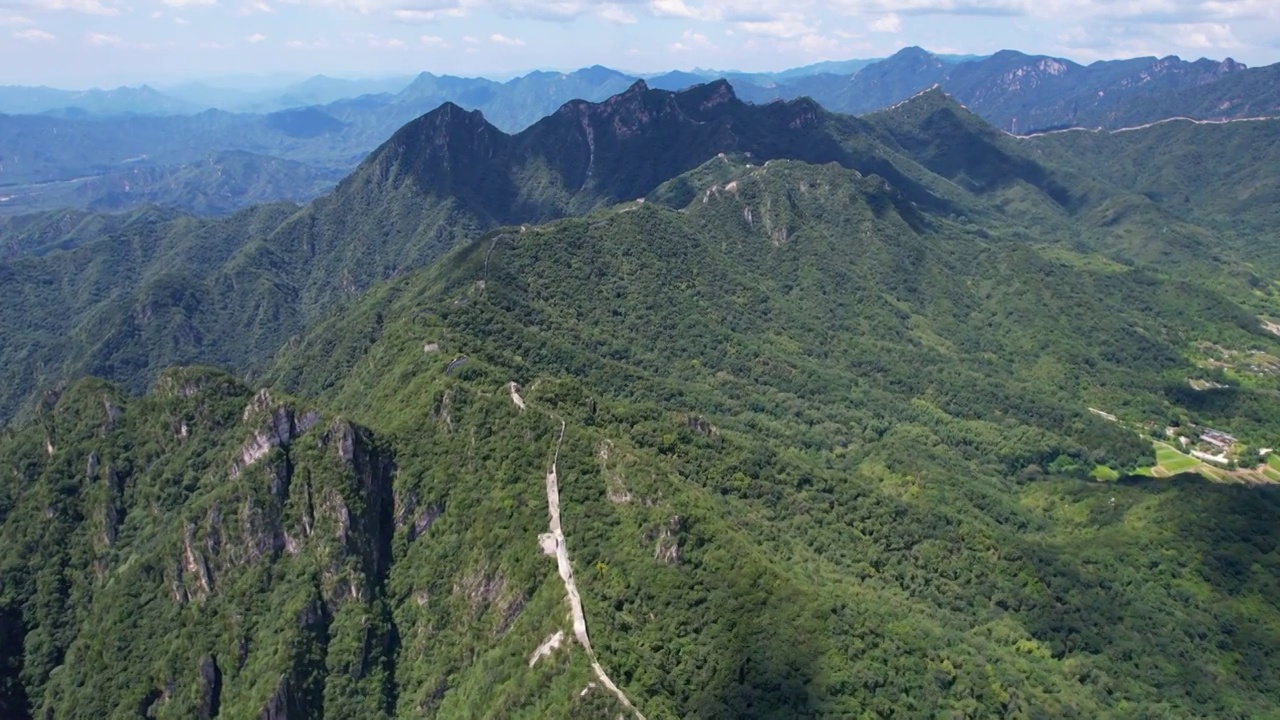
x: 1014, y: 91
x: 141, y: 100
x: 1022, y: 93
x: 830, y: 67
x: 217, y: 185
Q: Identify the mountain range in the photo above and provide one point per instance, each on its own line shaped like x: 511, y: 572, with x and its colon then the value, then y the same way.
x: 670, y: 405
x: 313, y: 123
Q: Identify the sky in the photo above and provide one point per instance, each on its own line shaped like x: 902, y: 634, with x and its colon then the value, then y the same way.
x: 85, y: 43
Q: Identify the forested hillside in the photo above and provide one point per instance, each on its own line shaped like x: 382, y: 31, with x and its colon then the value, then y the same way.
x: 670, y: 406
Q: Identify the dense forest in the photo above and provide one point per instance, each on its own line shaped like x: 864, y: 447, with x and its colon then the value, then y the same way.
x: 826, y: 407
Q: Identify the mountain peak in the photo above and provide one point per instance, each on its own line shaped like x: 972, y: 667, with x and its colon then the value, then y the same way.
x: 450, y: 114
x: 708, y: 95
x: 913, y: 52
x: 914, y: 113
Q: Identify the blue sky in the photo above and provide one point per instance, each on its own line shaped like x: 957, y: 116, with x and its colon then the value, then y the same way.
x: 79, y: 43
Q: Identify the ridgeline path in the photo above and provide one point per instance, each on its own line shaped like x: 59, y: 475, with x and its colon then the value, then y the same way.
x: 553, y: 543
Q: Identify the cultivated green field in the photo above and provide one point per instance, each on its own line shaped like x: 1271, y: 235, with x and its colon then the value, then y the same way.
x: 1172, y: 461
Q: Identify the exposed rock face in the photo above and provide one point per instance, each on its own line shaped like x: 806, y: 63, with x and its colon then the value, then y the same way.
x: 210, y: 688
x: 666, y: 539
x: 281, y: 428
x: 278, y: 705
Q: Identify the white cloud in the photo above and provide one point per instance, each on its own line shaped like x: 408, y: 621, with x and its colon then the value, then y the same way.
x: 690, y: 41
x: 501, y: 39
x: 429, y: 10
x: 189, y: 3
x: 1147, y: 11
x: 14, y: 20
x: 104, y: 40
x: 783, y: 26
x: 953, y: 7
x: 469, y: 40
x: 303, y: 45
x: 1205, y: 36
x: 214, y: 45
x: 181, y: 21
x: 890, y: 23
x: 88, y: 7
x: 815, y: 43
x: 432, y: 41
x: 257, y: 6
x: 381, y: 43
x: 255, y: 38
x: 675, y: 9
x: 616, y: 14
x: 35, y: 36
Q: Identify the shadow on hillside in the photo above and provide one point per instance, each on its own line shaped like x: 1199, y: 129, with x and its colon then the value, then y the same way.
x: 1135, y: 615
x: 770, y: 651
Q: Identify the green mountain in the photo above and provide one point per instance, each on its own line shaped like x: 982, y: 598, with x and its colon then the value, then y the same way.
x: 242, y: 287
x: 670, y: 405
x: 329, y: 124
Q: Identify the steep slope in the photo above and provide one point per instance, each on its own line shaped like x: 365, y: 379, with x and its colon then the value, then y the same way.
x: 269, y: 271
x: 817, y: 453
x: 1240, y: 94
x: 250, y: 533
x: 754, y: 386
x: 450, y: 175
x: 741, y: 535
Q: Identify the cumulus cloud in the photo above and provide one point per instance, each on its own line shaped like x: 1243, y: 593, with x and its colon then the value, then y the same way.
x: 784, y: 25
x: 378, y: 42
x: 500, y: 39
x: 690, y: 41
x: 616, y: 14
x: 432, y: 41
x: 35, y: 36
x: 104, y: 40
x: 189, y: 3
x: 88, y: 7
x: 676, y: 9
x: 14, y: 20
x: 943, y: 7
x: 890, y: 23
x: 817, y: 44
x: 413, y: 16
x: 255, y: 38
x: 1205, y: 36
x: 1153, y: 11
x: 258, y: 6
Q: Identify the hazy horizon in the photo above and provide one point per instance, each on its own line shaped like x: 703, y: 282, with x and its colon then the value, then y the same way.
x: 106, y: 43
x: 270, y: 81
